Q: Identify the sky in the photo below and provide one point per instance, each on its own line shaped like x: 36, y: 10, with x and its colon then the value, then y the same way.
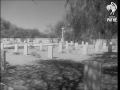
x: 28, y: 14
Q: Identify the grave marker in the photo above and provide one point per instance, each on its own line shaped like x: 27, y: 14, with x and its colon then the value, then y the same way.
x: 41, y: 46
x: 16, y: 48
x: 87, y: 43
x: 104, y: 46
x: 84, y: 50
x: 97, y: 47
x: 76, y: 45
x: 72, y: 43
x: 67, y: 45
x: 110, y: 47
x: 82, y: 43
x: 25, y: 49
x: 60, y: 47
x: 2, y: 46
x: 50, y: 52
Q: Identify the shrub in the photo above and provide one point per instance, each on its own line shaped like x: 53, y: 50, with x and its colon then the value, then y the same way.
x: 31, y: 47
x: 16, y: 53
x: 35, y: 54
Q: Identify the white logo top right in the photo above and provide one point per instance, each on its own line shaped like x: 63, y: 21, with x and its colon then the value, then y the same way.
x: 112, y: 7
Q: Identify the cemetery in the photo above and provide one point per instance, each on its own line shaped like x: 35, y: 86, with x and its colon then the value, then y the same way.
x: 70, y: 45
x: 25, y: 54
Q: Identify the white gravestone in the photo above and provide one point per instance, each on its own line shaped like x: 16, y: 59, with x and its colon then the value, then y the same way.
x: 25, y: 49
x: 16, y: 48
x: 41, y: 46
x: 104, y: 46
x: 97, y: 47
x: 87, y: 43
x: 72, y: 43
x: 84, y: 50
x: 2, y: 46
x: 67, y: 45
x: 82, y: 43
x: 50, y: 52
x: 60, y: 47
x: 76, y: 45
x: 110, y: 47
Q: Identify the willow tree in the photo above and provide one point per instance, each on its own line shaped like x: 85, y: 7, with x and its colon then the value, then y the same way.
x: 88, y: 19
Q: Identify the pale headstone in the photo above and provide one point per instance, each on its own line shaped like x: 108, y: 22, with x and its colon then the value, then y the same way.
x: 76, y: 45
x: 50, y: 52
x: 82, y: 43
x: 84, y: 50
x: 67, y: 45
x: 60, y: 47
x: 41, y: 46
x: 2, y: 46
x: 92, y: 75
x: 72, y: 43
x: 25, y: 49
x: 16, y: 48
x: 97, y: 47
x: 87, y: 43
x: 104, y: 46
x: 110, y: 47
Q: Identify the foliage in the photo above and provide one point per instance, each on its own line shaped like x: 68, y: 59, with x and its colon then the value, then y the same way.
x: 88, y: 19
x: 8, y: 30
x: 35, y: 54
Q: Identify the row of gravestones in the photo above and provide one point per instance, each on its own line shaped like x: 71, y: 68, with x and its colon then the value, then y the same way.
x: 60, y: 47
x: 91, y: 79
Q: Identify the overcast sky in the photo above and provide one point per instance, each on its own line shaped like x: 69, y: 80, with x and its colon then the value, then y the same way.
x: 27, y: 14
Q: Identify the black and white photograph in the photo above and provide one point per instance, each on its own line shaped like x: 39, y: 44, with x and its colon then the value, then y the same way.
x: 59, y: 45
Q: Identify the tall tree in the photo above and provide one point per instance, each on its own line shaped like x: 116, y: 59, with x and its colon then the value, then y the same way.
x: 88, y: 18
